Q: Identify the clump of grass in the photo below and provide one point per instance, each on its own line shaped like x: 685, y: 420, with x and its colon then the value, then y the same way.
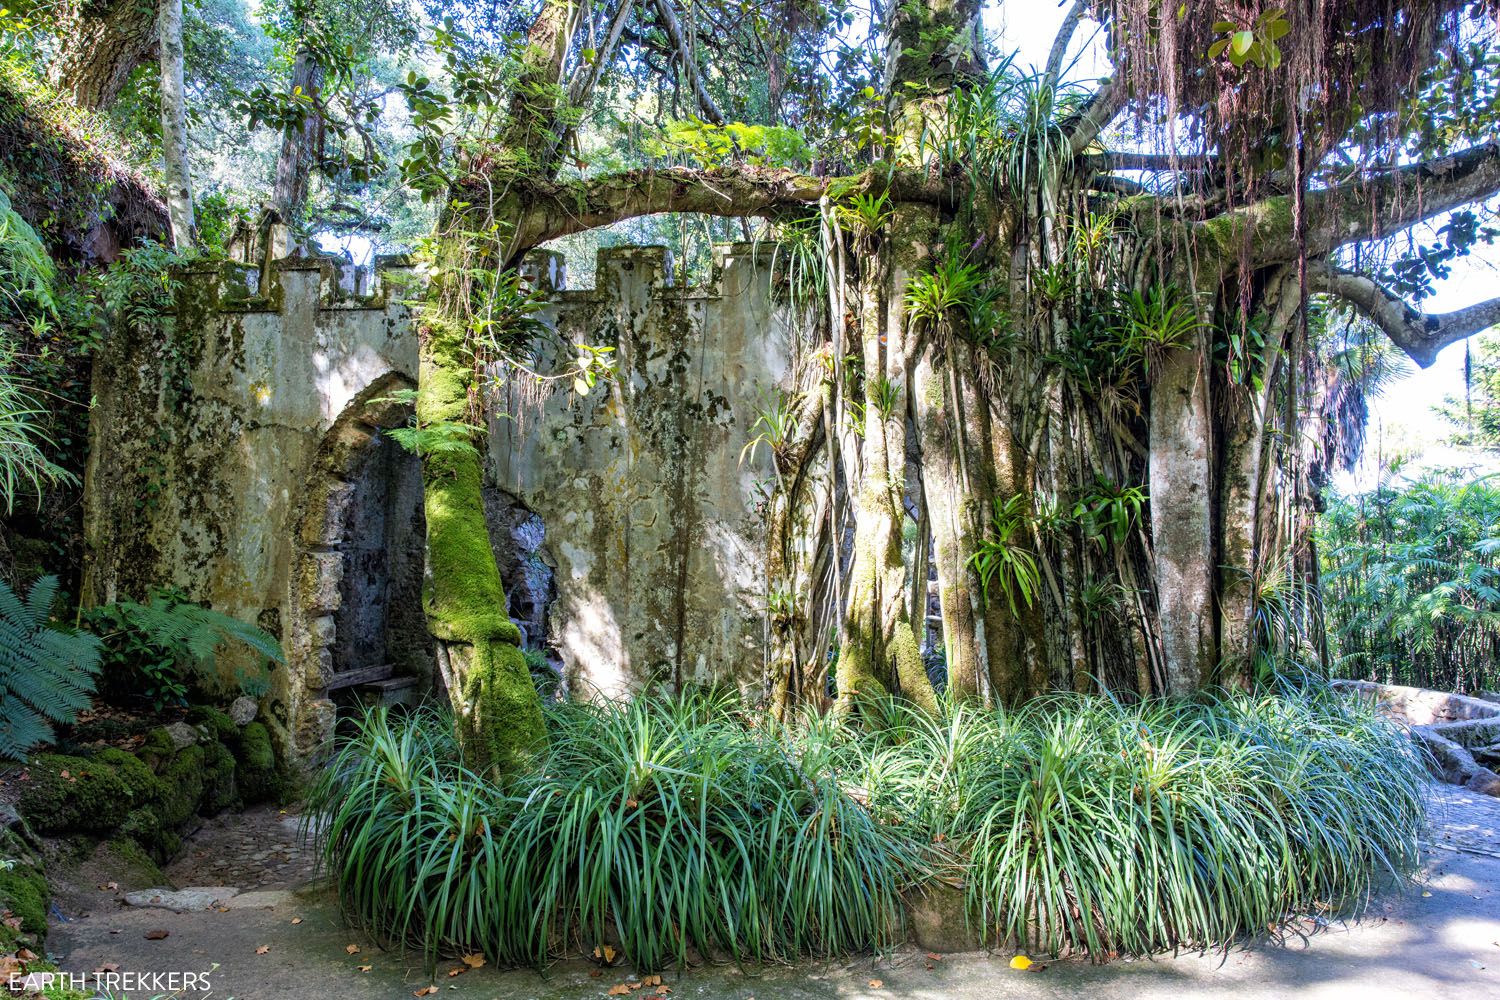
x: 679, y: 829
x: 1083, y: 824
x: 669, y: 826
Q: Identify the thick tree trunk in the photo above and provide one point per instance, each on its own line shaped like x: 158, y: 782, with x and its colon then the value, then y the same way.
x: 100, y: 43
x: 174, y: 125
x: 878, y: 647
x: 300, y: 147
x: 1181, y: 517
x: 495, y: 704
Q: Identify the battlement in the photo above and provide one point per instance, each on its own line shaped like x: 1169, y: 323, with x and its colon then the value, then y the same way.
x: 295, y: 284
x: 737, y: 267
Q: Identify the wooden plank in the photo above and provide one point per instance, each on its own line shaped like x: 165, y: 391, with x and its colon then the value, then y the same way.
x: 363, y: 675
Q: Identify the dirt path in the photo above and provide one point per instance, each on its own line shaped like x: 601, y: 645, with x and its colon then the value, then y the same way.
x: 1442, y: 939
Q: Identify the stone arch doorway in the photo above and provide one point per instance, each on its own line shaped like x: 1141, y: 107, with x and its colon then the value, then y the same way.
x: 362, y: 537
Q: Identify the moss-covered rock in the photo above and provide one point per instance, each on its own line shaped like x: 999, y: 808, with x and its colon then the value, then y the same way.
x: 23, y: 891
x: 73, y: 793
x: 256, y: 775
x: 218, y: 779
x: 136, y: 868
x: 182, y: 779
x: 215, y: 723
x: 145, y: 787
x: 158, y: 749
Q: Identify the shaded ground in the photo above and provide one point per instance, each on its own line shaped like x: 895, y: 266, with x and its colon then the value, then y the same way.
x: 1442, y: 939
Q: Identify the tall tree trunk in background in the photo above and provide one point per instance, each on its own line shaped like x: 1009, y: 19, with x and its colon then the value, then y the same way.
x: 300, y: 146
x: 100, y: 43
x: 174, y: 125
x: 1181, y: 515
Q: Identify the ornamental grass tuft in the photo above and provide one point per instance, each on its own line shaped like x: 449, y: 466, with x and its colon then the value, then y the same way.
x: 691, y: 828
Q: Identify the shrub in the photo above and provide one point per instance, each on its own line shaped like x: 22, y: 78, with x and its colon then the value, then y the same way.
x: 685, y: 828
x: 1086, y: 824
x: 671, y: 827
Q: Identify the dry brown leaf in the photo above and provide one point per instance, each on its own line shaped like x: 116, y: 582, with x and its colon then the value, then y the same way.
x: 473, y: 961
x: 156, y: 935
x: 934, y: 956
x: 26, y: 955
x: 296, y: 920
x: 618, y: 990
x: 263, y: 949
x: 651, y: 981
x: 108, y: 967
x: 351, y: 949
x: 425, y: 991
x: 876, y: 984
x: 609, y: 954
x: 662, y: 991
x: 366, y: 968
x: 457, y: 970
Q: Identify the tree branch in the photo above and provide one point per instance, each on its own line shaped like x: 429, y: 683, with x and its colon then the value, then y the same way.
x: 1366, y: 208
x: 1150, y: 162
x: 689, y: 64
x: 561, y: 208
x: 1061, y: 41
x: 1097, y: 112
x: 1420, y: 336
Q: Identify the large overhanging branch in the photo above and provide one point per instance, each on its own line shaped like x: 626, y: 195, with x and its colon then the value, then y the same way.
x: 689, y: 64
x: 1363, y: 209
x: 565, y: 207
x: 1420, y: 335
x: 1102, y: 107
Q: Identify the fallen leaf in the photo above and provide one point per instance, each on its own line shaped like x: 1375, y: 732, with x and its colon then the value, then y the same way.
x: 108, y: 967
x: 934, y: 956
x: 263, y: 949
x: 296, y: 920
x: 651, y: 981
x: 366, y: 968
x: 26, y: 955
x: 875, y: 984
x: 662, y: 991
x: 473, y: 961
x: 618, y: 990
x: 155, y: 935
x: 425, y: 991
x: 351, y: 949
x: 457, y: 970
x: 1426, y: 895
x: 1020, y: 962
x: 596, y: 973
x: 609, y: 954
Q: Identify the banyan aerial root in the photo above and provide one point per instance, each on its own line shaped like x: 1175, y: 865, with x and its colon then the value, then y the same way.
x: 679, y: 830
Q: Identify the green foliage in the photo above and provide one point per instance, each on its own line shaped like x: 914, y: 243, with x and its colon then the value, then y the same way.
x: 687, y: 826
x: 46, y: 674
x: 24, y: 439
x: 159, y: 649
x: 773, y: 427
x: 670, y: 825
x: 27, y: 273
x: 1411, y: 582
x: 1107, y: 511
x: 954, y: 285
x: 1154, y: 323
x: 1475, y: 416
x: 709, y: 145
x: 1003, y: 557
x: 1253, y: 45
x: 1083, y: 823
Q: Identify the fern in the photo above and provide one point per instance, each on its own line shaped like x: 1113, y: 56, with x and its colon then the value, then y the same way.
x: 46, y: 674
x: 168, y: 640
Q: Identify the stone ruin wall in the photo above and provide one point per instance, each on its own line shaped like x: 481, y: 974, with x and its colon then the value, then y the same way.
x: 235, y: 453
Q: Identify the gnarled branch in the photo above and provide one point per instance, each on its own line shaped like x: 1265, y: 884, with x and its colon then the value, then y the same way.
x: 1365, y: 208
x: 1420, y: 335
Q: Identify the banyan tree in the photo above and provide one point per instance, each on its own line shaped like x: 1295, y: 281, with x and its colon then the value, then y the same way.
x: 1079, y: 348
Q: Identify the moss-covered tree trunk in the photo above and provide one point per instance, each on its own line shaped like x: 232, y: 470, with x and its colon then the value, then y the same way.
x: 497, y: 710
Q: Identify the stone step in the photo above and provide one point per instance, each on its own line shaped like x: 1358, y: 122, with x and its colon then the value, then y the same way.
x: 392, y: 691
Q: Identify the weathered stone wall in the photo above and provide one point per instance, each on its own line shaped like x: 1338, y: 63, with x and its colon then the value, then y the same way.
x: 226, y: 447
x: 652, y: 522
x: 235, y: 453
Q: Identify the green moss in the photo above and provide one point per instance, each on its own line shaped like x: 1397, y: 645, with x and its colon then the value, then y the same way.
x: 218, y: 724
x: 218, y: 779
x: 182, y: 779
x: 911, y: 672
x: 257, y: 779
x: 134, y: 866
x: 23, y: 891
x: 505, y: 728
x: 145, y: 787
x: 72, y: 793
x: 158, y: 749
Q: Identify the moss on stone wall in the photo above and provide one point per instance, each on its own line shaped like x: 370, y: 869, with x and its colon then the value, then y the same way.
x: 62, y: 793
x: 256, y: 773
